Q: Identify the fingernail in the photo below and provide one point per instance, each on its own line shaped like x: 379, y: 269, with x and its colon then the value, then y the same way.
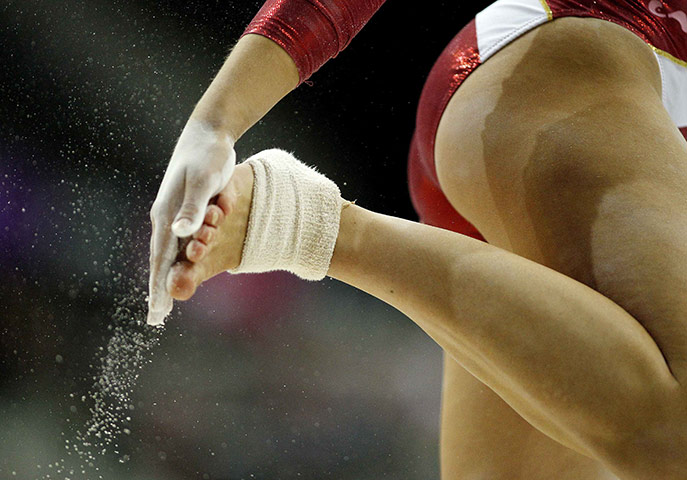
x: 214, y: 217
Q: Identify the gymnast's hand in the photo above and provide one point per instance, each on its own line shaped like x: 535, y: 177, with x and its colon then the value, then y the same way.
x: 276, y: 214
x: 218, y: 245
x: 255, y: 76
x: 201, y: 166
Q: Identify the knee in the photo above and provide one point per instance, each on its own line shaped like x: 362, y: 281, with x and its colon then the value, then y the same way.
x: 651, y: 445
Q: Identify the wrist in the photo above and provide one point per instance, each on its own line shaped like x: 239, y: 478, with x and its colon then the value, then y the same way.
x: 255, y: 76
x: 224, y: 122
x: 294, y: 217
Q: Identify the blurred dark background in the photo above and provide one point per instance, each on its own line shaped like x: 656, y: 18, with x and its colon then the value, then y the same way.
x: 259, y: 376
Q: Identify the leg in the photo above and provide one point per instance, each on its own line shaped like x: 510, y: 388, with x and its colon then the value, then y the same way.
x: 571, y: 361
x: 558, y: 352
x: 603, y: 124
x: 575, y: 182
x: 504, y: 318
x: 482, y: 437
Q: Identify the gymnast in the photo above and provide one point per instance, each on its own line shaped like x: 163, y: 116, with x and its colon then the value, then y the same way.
x: 557, y: 129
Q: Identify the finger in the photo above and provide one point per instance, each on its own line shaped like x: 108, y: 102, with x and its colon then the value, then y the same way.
x: 197, y: 193
x: 206, y: 234
x: 214, y: 215
x: 183, y: 279
x: 162, y: 252
x: 226, y: 203
x: 195, y: 251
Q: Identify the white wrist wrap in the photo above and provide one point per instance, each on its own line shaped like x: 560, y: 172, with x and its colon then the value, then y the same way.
x: 294, y: 217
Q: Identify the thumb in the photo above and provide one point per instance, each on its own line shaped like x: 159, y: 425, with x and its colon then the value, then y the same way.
x: 197, y: 194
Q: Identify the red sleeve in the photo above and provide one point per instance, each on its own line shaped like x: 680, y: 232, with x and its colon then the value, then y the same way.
x: 312, y: 31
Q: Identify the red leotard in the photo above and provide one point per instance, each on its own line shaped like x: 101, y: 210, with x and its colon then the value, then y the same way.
x: 313, y: 31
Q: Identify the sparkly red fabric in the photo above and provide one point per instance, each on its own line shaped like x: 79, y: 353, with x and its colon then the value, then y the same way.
x: 661, y: 23
x: 312, y: 31
x: 456, y: 62
x: 430, y: 203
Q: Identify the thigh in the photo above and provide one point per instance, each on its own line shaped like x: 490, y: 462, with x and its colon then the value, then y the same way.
x: 559, y: 149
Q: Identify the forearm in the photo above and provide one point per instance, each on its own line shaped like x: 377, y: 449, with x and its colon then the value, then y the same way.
x: 256, y: 75
x: 557, y: 351
x: 284, y: 44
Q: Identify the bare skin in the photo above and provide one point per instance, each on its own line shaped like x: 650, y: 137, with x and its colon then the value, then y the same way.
x: 564, y: 353
x: 255, y: 76
x: 218, y: 245
x: 589, y: 180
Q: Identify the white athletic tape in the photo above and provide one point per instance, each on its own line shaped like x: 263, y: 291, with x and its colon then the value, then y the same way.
x: 294, y: 217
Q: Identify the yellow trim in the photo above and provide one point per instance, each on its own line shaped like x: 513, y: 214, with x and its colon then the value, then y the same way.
x: 669, y: 56
x: 549, y: 13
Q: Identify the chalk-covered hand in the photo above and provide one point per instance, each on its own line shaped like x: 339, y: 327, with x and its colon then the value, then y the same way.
x: 201, y: 166
x: 277, y: 213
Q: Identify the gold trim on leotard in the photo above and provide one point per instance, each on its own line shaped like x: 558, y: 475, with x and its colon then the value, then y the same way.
x: 663, y: 53
x: 549, y: 13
